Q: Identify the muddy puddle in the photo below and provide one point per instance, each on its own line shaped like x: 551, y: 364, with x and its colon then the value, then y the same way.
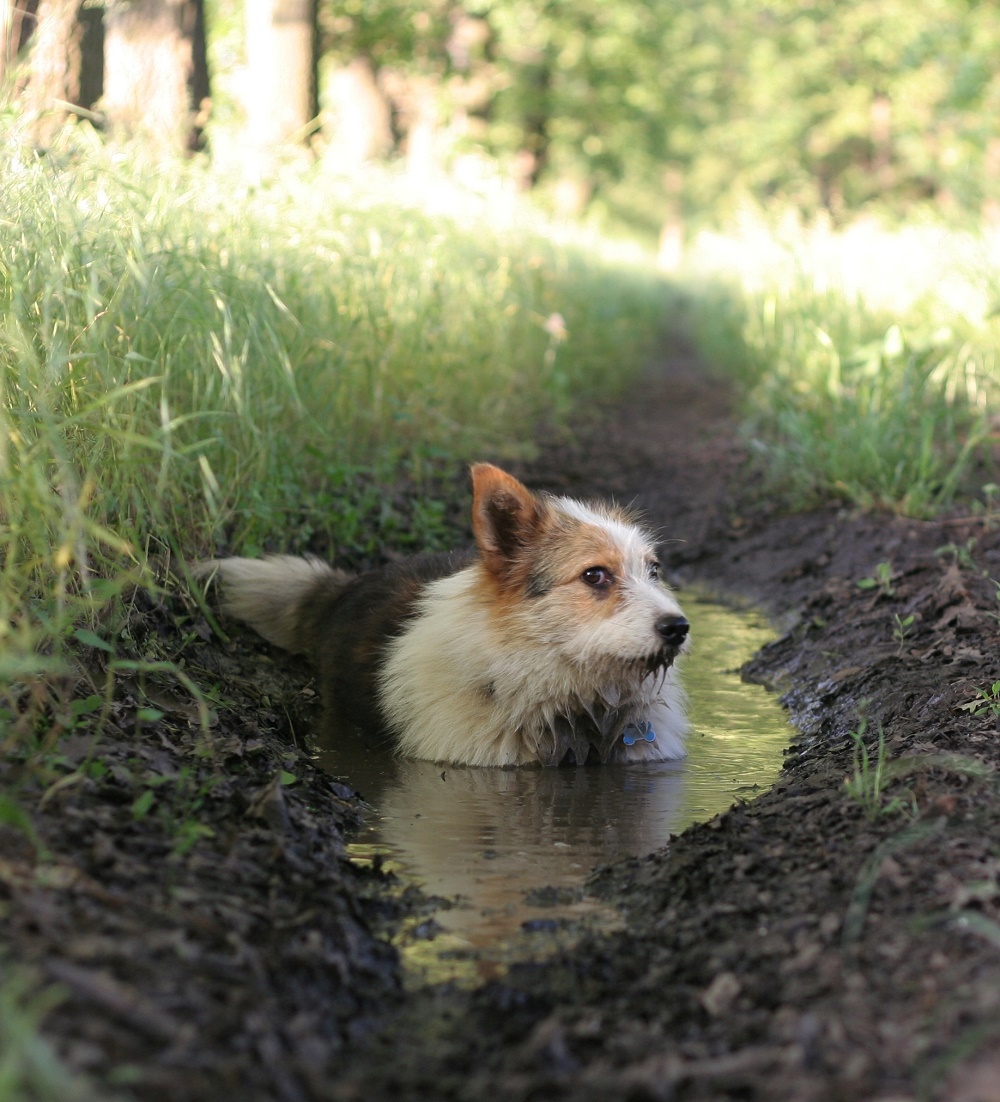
x: 508, y: 851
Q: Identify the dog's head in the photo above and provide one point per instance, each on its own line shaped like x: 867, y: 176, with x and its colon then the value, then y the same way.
x: 580, y: 579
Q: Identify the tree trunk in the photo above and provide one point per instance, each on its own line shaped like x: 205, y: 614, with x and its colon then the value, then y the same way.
x: 91, y: 57
x: 17, y: 23
x: 54, y: 72
x: 156, y: 72
x: 282, y: 47
x: 359, y: 123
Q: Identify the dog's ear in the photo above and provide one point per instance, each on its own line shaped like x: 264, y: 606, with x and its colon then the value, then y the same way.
x: 506, y: 517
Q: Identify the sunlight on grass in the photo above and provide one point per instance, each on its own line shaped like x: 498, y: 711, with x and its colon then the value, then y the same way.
x: 869, y: 356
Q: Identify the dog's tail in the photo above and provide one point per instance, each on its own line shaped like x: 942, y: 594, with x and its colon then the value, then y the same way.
x: 272, y: 594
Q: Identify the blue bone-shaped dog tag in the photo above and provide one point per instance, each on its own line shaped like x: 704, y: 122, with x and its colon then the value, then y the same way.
x: 639, y: 732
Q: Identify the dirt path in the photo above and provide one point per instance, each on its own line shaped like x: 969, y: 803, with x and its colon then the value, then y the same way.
x: 794, y: 948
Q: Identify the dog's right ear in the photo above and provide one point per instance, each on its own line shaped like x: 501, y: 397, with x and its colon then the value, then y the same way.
x: 506, y: 518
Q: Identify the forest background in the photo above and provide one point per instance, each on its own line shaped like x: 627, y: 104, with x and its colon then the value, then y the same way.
x: 645, y: 117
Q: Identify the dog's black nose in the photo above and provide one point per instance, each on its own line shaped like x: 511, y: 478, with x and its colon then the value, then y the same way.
x: 672, y: 630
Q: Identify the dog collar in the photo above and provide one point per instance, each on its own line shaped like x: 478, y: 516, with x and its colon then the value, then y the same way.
x: 639, y: 732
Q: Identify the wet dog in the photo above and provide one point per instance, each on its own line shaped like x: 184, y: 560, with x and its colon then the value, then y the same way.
x: 553, y: 641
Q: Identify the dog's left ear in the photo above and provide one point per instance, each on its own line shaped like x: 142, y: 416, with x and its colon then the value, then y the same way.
x: 506, y: 517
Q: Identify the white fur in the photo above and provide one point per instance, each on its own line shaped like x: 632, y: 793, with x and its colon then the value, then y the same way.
x: 267, y: 592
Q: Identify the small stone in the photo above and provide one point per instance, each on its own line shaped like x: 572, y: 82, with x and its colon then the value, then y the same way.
x: 721, y: 993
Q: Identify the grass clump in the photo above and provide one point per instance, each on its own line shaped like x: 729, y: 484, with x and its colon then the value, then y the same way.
x: 868, y: 357
x: 870, y: 777
x: 187, y: 360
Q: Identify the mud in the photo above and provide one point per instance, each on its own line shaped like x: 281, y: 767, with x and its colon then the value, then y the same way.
x: 810, y: 944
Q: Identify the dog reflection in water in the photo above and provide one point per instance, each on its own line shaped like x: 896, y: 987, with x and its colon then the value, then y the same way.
x: 487, y: 836
x: 553, y: 641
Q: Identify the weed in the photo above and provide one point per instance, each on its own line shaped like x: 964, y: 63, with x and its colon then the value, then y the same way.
x: 986, y: 701
x: 989, y: 507
x: 881, y: 580
x: 870, y: 778
x: 980, y: 924
x: 996, y: 595
x: 961, y: 555
x: 857, y: 910
x: 14, y: 817
x: 29, y: 1067
x: 860, y: 386
x: 177, y: 800
x: 901, y: 629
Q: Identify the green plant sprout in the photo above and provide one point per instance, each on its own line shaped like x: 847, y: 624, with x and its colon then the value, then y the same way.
x: 901, y: 629
x: 881, y: 580
x: 986, y: 702
x: 991, y: 497
x: 996, y: 594
x: 961, y: 554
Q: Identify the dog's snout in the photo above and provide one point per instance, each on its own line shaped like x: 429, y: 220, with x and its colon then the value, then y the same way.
x: 672, y: 630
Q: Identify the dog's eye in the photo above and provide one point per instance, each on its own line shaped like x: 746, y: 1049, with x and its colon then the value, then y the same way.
x: 598, y: 577
x: 654, y: 569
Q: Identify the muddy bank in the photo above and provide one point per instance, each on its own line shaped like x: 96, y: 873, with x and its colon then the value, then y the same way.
x: 188, y: 888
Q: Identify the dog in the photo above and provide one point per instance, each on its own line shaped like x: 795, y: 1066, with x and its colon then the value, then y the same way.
x: 553, y: 641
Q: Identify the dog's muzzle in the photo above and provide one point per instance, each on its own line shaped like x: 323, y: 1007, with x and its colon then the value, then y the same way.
x: 673, y: 631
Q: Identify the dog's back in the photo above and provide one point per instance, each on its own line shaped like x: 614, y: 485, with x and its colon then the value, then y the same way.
x: 342, y: 622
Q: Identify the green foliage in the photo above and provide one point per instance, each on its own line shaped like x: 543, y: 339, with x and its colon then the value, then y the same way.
x: 986, y: 701
x: 867, y: 357
x: 961, y: 554
x: 901, y: 629
x: 880, y: 580
x: 178, y: 801
x: 825, y: 107
x: 30, y: 1071
x: 857, y: 910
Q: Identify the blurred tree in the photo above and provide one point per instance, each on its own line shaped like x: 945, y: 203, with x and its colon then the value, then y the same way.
x: 156, y: 72
x: 65, y: 41
x: 389, y: 76
x: 652, y: 113
x: 281, y: 39
x: 830, y: 106
x: 17, y: 21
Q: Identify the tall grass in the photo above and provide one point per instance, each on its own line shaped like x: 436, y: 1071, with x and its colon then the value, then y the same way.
x: 186, y: 359
x: 869, y: 357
